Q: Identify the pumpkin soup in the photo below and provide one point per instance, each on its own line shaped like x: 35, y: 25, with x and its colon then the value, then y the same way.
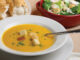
x: 27, y: 38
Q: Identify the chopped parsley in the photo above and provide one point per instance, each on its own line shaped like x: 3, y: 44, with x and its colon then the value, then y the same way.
x: 17, y: 45
x: 40, y: 45
x: 30, y: 30
x: 13, y: 43
x: 14, y: 33
x: 21, y: 43
x: 47, y: 4
x: 37, y: 32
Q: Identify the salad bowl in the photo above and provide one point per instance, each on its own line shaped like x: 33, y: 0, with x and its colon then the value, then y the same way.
x: 67, y: 21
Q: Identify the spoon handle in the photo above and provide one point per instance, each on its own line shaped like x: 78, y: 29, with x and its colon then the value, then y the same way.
x: 65, y: 32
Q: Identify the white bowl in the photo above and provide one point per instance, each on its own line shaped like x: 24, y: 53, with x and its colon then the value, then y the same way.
x: 29, y: 19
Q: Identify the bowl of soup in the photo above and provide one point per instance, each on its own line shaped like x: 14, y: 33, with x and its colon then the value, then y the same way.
x: 25, y: 35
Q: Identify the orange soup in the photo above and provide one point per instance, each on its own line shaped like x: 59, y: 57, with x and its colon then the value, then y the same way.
x: 27, y: 38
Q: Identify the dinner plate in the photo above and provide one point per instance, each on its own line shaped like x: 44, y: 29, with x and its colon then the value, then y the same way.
x: 61, y: 54
x: 74, y: 56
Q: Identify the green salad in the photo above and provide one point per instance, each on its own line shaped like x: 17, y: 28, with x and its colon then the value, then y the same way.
x: 62, y: 7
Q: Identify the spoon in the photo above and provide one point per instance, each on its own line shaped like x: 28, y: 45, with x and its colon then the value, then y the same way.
x: 64, y: 32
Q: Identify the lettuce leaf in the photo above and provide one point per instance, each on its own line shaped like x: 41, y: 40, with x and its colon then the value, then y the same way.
x: 78, y: 9
x: 67, y: 2
x: 65, y: 13
x: 47, y: 1
x: 78, y: 0
x: 47, y: 4
x: 74, y: 9
x: 59, y: 3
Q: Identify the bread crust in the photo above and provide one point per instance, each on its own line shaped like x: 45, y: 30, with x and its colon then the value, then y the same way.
x: 16, y: 3
x: 3, y: 8
x: 11, y: 7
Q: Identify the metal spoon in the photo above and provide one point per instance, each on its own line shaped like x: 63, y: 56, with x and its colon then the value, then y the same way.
x: 64, y: 32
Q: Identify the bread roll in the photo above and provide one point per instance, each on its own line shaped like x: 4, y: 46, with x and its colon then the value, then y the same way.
x: 3, y: 9
x: 17, y: 7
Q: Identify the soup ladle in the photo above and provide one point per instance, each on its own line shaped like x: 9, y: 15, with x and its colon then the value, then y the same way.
x: 64, y: 32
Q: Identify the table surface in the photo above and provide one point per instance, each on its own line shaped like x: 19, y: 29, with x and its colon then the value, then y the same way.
x: 75, y: 37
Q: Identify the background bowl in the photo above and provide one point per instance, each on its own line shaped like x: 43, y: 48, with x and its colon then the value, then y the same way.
x: 65, y: 20
x: 29, y: 19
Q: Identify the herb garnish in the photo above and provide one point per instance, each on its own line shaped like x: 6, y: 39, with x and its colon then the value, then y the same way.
x: 13, y: 43
x: 30, y: 30
x: 47, y: 4
x: 21, y: 43
x: 37, y: 32
x: 17, y: 45
x: 40, y: 45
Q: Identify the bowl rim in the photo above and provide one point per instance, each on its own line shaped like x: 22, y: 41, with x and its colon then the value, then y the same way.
x: 40, y: 6
x: 33, y: 54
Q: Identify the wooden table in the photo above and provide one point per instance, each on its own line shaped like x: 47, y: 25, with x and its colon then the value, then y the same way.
x: 75, y: 37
